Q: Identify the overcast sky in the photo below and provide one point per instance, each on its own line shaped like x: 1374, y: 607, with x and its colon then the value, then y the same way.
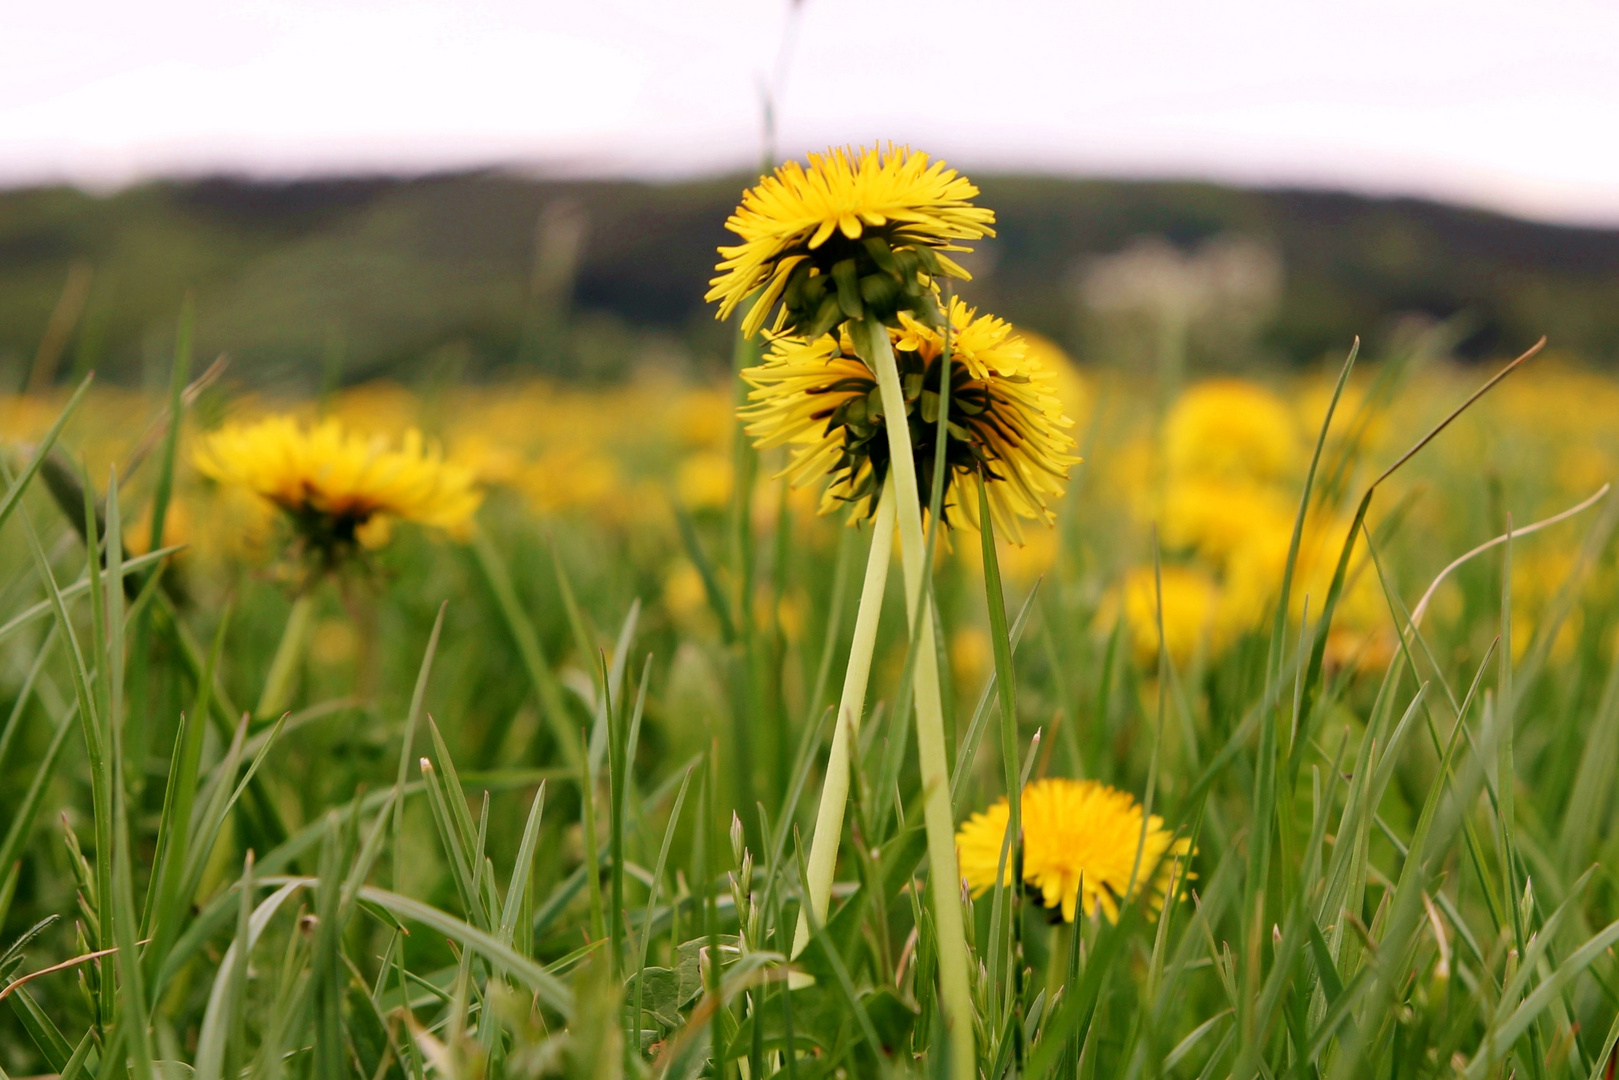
x: 1507, y: 105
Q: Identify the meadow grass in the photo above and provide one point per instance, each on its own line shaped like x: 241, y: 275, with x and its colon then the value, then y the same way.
x: 536, y: 800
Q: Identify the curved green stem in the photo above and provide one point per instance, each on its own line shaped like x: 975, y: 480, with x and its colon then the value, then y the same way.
x: 871, y: 340
x: 823, y: 853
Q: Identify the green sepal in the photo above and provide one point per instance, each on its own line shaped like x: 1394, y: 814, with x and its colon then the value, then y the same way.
x: 846, y: 274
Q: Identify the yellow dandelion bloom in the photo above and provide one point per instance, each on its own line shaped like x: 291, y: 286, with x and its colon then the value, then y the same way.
x: 704, y: 480
x: 984, y: 344
x: 24, y: 419
x: 1192, y: 613
x: 858, y: 232
x: 1217, y: 517
x: 685, y: 597
x: 971, y: 655
x: 338, y: 487
x: 1080, y: 845
x: 820, y: 398
x: 571, y: 477
x: 1231, y: 428
x: 1539, y: 575
x: 1073, y: 389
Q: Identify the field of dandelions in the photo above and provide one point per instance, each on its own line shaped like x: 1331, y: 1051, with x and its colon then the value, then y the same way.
x: 534, y: 730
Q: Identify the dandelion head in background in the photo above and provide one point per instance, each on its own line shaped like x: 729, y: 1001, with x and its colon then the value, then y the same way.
x: 1080, y: 845
x: 859, y: 233
x: 1005, y: 419
x: 340, y: 490
x: 1231, y: 428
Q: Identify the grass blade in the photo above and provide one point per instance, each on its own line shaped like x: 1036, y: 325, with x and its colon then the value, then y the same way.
x: 527, y: 639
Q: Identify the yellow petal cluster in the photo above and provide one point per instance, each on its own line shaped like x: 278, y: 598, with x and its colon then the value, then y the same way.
x: 337, y: 485
x: 789, y: 216
x: 1005, y: 417
x: 1080, y: 845
x: 1231, y: 428
x: 984, y: 344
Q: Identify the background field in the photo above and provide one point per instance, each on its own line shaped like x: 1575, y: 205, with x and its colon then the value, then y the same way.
x: 470, y: 272
x: 1382, y: 853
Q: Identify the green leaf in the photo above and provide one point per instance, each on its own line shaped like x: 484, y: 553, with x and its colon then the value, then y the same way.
x: 550, y: 989
x: 658, y: 991
x: 52, y: 1045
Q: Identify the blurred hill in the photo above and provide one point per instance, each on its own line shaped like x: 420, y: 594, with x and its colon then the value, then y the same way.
x: 465, y: 274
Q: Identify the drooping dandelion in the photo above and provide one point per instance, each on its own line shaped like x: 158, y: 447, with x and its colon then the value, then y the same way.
x: 1004, y: 418
x: 860, y: 232
x: 1080, y: 845
x: 339, y: 489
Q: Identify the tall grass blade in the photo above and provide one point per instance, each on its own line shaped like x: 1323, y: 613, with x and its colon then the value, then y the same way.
x: 527, y: 639
x: 225, y: 1002
x: 413, y: 716
x: 523, y: 869
x: 179, y: 375
x: 16, y: 485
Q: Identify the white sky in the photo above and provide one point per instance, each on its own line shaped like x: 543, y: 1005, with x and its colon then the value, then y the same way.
x: 1508, y: 105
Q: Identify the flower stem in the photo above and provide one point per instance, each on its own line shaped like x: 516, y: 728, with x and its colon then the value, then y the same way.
x: 284, y: 668
x: 871, y: 340
x: 823, y: 854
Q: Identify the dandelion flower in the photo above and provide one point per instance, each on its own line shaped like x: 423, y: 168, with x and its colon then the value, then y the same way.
x: 572, y: 477
x: 1219, y: 517
x: 1080, y: 842
x: 1073, y: 389
x: 1231, y: 428
x: 819, y: 397
x: 859, y: 232
x: 1192, y: 607
x: 339, y: 488
x: 705, y: 480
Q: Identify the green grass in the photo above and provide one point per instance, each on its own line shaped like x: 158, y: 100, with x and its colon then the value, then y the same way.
x: 537, y: 826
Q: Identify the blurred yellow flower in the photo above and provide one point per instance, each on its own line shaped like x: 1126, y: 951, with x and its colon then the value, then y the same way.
x: 971, y: 655
x: 1362, y: 626
x: 703, y: 417
x: 569, y: 478
x: 1035, y: 558
x: 334, y: 643
x: 1230, y: 428
x: 792, y: 612
x: 1125, y: 474
x: 1583, y: 467
x: 857, y: 230
x: 490, y: 460
x: 179, y: 526
x: 684, y: 595
x: 1218, y: 517
x: 25, y: 418
x: 380, y: 406
x: 337, y: 487
x: 1539, y: 574
x: 1081, y: 841
x: 704, y: 480
x: 1350, y: 419
x: 1191, y: 609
